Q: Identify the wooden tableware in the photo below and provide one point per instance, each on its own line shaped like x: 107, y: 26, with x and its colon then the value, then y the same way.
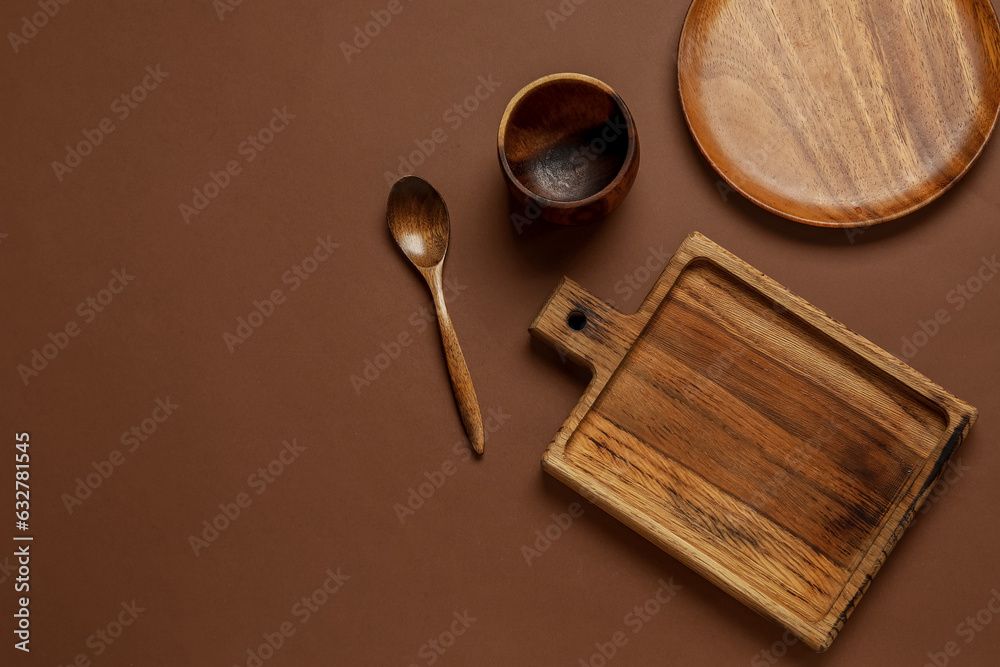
x: 568, y: 146
x: 751, y: 436
x: 418, y: 219
x: 840, y: 113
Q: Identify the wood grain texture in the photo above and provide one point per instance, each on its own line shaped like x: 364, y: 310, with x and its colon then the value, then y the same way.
x: 750, y: 435
x: 567, y: 144
x: 419, y: 222
x: 840, y: 112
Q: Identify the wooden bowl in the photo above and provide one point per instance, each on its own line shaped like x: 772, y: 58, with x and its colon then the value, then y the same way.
x: 840, y: 113
x: 568, y: 145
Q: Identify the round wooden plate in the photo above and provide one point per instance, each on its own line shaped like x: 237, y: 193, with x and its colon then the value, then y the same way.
x: 840, y: 113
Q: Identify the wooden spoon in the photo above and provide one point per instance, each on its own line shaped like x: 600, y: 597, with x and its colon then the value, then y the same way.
x: 418, y: 220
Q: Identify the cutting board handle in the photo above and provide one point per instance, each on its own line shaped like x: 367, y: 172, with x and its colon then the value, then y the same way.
x: 585, y: 328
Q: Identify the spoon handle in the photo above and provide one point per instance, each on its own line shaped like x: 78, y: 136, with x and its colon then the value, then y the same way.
x: 461, y: 381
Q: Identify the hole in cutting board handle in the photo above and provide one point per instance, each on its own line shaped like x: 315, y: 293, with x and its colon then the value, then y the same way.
x: 576, y: 320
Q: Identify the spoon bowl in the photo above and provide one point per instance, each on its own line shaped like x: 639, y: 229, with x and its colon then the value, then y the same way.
x: 418, y: 219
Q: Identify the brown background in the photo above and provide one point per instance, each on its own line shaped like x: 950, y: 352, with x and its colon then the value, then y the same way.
x: 334, y: 506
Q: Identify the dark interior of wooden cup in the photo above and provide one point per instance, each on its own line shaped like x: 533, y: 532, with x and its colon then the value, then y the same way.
x: 566, y: 140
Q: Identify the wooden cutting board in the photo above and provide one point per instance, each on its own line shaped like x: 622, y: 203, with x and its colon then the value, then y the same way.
x: 748, y: 434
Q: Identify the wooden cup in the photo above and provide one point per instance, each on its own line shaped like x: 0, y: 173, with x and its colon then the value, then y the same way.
x: 568, y: 147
